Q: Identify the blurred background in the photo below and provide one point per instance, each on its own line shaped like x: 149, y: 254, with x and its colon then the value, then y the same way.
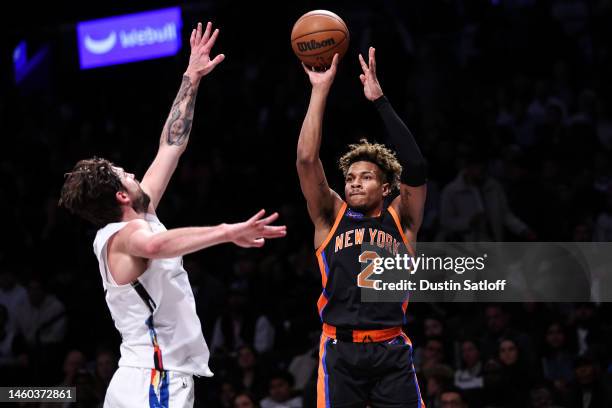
x: 515, y: 93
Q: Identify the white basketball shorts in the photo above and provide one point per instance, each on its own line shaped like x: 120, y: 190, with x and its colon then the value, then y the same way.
x: 133, y: 387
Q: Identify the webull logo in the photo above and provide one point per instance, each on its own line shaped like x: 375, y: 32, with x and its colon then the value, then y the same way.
x: 127, y: 38
x: 315, y: 45
x: 101, y: 46
x: 132, y: 38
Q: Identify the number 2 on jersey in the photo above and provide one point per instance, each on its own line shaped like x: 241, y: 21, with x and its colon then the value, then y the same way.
x: 362, y: 278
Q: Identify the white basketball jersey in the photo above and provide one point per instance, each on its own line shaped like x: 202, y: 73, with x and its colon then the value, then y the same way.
x: 168, y: 320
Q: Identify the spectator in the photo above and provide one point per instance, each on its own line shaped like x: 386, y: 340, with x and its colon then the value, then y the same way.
x: 11, y: 292
x: 452, y: 398
x: 73, y: 363
x: 474, y: 207
x: 280, y: 393
x: 41, y: 319
x: 432, y: 328
x: 468, y: 378
x: 238, y: 326
x: 585, y: 327
x: 13, y: 358
x: 508, y: 378
x: 251, y: 373
x: 227, y: 393
x: 541, y: 397
x: 433, y: 354
x: 498, y: 327
x: 245, y: 400
x: 437, y: 379
x: 588, y: 389
x: 106, y: 365
x: 557, y: 361
x: 304, y: 366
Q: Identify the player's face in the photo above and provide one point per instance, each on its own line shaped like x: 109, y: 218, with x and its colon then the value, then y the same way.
x: 140, y: 199
x: 364, y: 188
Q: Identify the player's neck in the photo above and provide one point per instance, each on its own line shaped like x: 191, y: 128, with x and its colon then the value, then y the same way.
x: 372, y: 212
x: 129, y: 214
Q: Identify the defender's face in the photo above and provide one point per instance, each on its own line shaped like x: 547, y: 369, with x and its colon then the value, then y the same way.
x: 139, y: 199
x: 364, y: 188
x: 128, y: 180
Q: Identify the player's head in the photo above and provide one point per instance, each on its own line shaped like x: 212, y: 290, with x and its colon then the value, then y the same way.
x: 97, y: 190
x: 371, y: 172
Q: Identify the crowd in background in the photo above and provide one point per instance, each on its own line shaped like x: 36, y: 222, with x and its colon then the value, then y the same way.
x: 510, y: 102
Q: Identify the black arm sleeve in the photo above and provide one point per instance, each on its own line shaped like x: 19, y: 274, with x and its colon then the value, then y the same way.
x: 414, y: 165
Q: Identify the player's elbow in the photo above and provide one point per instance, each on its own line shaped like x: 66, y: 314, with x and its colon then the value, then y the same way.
x: 306, y: 160
x: 151, y: 249
x: 414, y: 174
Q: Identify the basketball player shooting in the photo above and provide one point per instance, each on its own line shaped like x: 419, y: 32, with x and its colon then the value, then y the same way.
x: 365, y: 358
x: 147, y: 289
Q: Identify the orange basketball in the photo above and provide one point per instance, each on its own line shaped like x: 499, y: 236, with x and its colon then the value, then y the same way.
x: 317, y: 36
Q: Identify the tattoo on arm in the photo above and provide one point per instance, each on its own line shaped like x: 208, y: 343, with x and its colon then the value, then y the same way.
x: 178, y: 125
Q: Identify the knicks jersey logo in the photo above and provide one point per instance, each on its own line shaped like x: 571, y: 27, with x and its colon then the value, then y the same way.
x: 353, y: 214
x: 368, y: 236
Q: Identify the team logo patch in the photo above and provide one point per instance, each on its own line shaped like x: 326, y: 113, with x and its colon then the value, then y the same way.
x: 353, y: 214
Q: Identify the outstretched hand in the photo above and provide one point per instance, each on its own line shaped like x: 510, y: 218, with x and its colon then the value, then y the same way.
x: 323, y: 79
x: 254, y: 231
x: 200, y: 63
x: 371, y: 86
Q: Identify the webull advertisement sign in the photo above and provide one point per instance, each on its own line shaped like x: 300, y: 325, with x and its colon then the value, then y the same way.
x: 129, y: 38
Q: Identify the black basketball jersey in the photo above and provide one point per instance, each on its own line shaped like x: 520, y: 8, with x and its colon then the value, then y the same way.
x: 339, y: 258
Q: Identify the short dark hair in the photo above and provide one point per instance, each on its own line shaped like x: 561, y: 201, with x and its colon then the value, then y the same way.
x: 455, y: 390
x: 89, y: 191
x: 282, y: 375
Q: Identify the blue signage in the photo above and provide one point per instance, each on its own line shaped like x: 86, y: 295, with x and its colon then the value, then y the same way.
x: 128, y: 38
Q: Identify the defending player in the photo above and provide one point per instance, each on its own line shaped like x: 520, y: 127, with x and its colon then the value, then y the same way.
x: 147, y: 289
x: 365, y: 358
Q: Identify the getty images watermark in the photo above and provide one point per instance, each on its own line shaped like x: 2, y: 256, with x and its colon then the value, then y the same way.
x: 403, y: 262
x: 487, y: 272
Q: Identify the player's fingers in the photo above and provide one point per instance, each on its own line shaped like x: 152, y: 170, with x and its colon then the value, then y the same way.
x: 269, y: 219
x: 306, y: 69
x: 206, y: 35
x: 192, y: 38
x: 198, y: 36
x: 373, y: 60
x: 362, y: 78
x: 334, y: 65
x: 257, y: 216
x: 274, y: 231
x: 208, y: 46
x: 217, y: 60
x: 363, y: 64
x: 259, y: 242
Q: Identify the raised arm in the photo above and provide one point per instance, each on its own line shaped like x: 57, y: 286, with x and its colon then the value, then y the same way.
x: 137, y: 240
x: 177, y: 128
x: 413, y: 189
x: 323, y: 203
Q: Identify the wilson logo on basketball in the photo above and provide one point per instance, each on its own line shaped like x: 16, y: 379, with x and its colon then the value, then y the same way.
x: 314, y: 45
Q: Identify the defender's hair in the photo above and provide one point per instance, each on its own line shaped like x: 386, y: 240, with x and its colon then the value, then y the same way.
x: 89, y: 191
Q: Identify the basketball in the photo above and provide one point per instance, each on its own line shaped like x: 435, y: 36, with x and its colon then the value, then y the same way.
x: 317, y: 36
